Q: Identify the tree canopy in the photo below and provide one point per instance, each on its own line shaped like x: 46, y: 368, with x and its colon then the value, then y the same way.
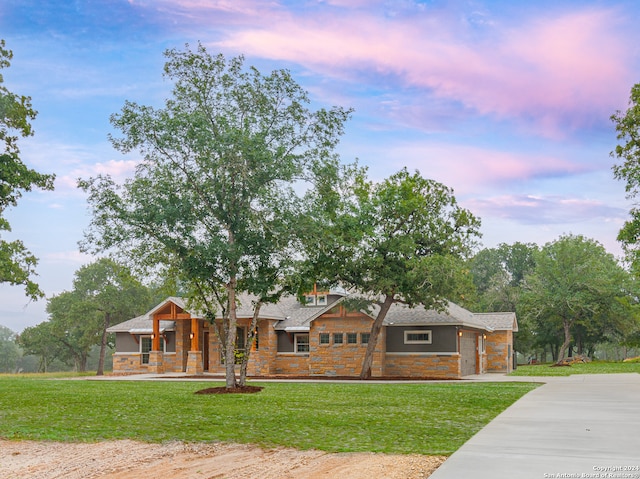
x: 215, y: 197
x: 9, y: 352
x: 576, y: 289
x: 400, y: 240
x: 17, y: 264
x: 103, y: 293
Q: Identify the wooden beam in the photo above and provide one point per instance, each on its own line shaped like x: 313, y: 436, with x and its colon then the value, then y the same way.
x: 155, y: 337
x: 195, y: 340
x: 170, y: 316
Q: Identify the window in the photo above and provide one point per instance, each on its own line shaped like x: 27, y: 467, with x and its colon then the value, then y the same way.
x: 321, y: 300
x: 324, y: 338
x: 309, y: 300
x: 417, y: 337
x: 352, y: 338
x: 146, y: 343
x: 337, y: 338
x: 301, y: 342
x: 364, y: 338
x: 241, y: 338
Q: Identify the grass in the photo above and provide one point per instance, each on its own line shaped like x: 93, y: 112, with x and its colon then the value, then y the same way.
x: 594, y: 367
x: 431, y: 418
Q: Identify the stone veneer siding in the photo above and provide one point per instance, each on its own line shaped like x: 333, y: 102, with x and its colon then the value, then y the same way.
x: 343, y: 359
x: 497, y: 351
x: 427, y: 365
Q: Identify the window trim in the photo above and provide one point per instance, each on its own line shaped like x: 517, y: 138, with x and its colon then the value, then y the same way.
x: 340, y: 335
x: 325, y: 336
x: 418, y: 341
x: 362, y: 336
x: 352, y: 338
x: 295, y: 343
x: 321, y: 300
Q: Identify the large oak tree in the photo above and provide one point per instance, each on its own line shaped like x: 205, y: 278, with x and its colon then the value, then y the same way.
x: 575, y: 288
x: 215, y: 197
x: 402, y: 240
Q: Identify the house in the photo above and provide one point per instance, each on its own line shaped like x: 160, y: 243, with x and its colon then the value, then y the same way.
x: 320, y: 337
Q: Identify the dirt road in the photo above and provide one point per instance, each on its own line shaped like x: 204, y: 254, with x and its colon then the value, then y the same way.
x: 132, y: 460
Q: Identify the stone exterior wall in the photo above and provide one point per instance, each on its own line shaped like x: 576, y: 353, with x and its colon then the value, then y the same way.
x: 291, y: 364
x: 262, y: 359
x: 129, y: 363
x: 343, y: 359
x: 407, y: 365
x: 498, y: 346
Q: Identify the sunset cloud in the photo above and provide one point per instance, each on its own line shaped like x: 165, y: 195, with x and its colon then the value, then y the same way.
x: 471, y: 169
x: 534, y: 71
x: 547, y: 209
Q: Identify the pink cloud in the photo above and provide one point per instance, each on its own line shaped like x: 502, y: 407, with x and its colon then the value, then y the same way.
x: 471, y: 170
x: 556, y: 72
x: 547, y: 209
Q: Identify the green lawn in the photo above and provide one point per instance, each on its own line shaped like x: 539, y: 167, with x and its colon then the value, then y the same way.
x: 431, y: 418
x: 595, y: 367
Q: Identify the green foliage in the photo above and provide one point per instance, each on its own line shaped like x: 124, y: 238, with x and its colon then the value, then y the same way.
x: 402, y: 237
x: 401, y: 240
x: 214, y: 199
x: 578, y: 291
x: 9, y: 351
x: 499, y: 276
x: 17, y: 264
x: 104, y: 293
x: 628, y: 151
x: 499, y: 273
x: 39, y: 341
x: 398, y: 418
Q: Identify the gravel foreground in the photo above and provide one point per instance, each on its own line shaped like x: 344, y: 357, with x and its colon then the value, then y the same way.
x: 132, y: 460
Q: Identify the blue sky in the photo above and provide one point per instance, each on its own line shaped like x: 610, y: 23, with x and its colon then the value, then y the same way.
x: 506, y: 102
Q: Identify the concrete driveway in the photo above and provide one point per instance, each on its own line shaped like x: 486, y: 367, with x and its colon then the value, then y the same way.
x: 575, y: 427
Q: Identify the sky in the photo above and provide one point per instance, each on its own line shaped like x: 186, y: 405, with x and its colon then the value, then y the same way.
x: 506, y: 102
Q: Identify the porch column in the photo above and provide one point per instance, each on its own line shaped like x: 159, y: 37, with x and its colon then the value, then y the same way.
x: 194, y: 358
x: 156, y: 356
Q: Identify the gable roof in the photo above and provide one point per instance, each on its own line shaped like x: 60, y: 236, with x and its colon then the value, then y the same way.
x: 499, y: 321
x: 453, y: 315
x: 141, y: 325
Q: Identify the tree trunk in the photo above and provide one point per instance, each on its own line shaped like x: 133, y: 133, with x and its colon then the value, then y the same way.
x: 365, y: 373
x: 232, y: 321
x: 566, y: 325
x: 103, y: 344
x: 249, y: 344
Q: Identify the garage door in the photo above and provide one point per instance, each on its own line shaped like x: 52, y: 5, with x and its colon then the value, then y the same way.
x: 468, y: 344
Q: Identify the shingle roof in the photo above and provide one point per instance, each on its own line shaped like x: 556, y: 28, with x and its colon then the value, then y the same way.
x: 290, y: 315
x: 141, y: 325
x: 453, y: 315
x: 298, y: 317
x: 499, y: 321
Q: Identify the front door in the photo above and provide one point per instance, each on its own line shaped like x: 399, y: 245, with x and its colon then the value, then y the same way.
x: 468, y: 345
